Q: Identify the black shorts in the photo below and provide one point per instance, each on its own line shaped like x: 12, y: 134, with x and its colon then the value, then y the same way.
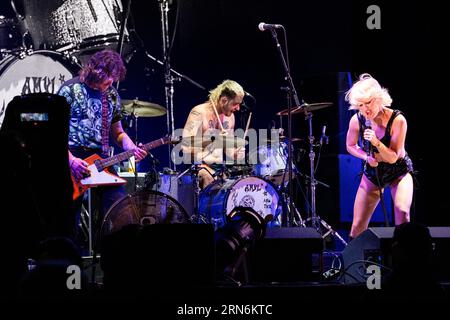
x: 387, y: 172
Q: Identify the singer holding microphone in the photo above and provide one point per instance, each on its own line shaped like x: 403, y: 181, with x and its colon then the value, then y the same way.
x: 383, y: 132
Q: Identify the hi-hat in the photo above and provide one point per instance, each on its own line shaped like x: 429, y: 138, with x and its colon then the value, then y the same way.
x: 143, y: 108
x: 305, y: 107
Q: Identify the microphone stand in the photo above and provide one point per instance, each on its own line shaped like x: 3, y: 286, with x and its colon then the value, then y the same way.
x: 293, y: 95
x: 316, y: 221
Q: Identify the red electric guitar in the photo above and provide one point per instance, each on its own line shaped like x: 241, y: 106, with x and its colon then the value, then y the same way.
x: 101, y: 176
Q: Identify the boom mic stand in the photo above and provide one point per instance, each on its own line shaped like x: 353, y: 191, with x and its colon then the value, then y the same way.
x: 290, y: 221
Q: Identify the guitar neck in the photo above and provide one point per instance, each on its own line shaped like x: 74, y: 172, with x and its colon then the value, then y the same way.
x: 104, y: 163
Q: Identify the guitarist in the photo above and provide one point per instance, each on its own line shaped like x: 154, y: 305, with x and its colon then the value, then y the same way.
x: 95, y: 119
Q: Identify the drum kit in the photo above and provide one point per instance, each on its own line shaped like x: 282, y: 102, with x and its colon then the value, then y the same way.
x: 261, y: 186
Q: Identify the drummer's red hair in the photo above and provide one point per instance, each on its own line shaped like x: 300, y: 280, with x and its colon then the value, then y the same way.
x: 101, y: 66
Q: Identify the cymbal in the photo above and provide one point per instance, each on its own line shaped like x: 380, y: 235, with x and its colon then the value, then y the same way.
x: 284, y: 138
x: 143, y: 108
x: 218, y: 141
x: 292, y: 139
x: 305, y: 107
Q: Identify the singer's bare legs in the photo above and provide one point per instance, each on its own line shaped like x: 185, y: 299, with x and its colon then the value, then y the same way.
x: 402, y: 194
x: 366, y: 201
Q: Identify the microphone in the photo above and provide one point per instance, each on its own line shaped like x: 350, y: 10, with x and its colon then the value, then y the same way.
x: 267, y: 26
x: 153, y: 158
x: 324, y: 137
x: 244, y: 107
x: 249, y: 95
x: 367, y: 144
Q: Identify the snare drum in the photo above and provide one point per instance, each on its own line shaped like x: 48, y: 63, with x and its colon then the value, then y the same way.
x: 220, y: 197
x: 39, y: 71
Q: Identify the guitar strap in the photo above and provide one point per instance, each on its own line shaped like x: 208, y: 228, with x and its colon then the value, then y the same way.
x: 105, y: 124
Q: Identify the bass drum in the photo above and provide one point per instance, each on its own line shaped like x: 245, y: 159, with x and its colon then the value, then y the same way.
x: 220, y: 197
x: 143, y: 207
x: 39, y: 71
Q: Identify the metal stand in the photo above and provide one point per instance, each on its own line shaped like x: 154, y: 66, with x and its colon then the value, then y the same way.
x: 290, y: 221
x: 169, y: 79
x: 287, y: 200
x: 194, y: 169
x: 89, y: 214
x: 135, y: 118
x: 315, y: 221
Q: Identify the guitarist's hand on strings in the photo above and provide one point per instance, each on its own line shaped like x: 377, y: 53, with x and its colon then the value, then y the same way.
x: 79, y: 168
x: 139, y: 153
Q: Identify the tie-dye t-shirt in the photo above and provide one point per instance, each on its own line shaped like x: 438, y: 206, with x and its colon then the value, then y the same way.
x: 85, y: 128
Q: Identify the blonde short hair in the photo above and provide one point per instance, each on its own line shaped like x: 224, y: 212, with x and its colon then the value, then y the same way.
x: 367, y: 88
x: 228, y: 88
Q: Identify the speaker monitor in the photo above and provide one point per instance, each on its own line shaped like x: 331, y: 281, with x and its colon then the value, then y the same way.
x: 159, y: 255
x: 375, y: 244
x: 285, y: 255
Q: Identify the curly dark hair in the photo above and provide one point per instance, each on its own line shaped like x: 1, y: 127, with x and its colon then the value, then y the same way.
x: 103, y: 65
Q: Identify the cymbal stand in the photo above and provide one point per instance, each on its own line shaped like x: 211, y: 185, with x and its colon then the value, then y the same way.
x: 134, y: 118
x: 292, y: 96
x: 315, y: 220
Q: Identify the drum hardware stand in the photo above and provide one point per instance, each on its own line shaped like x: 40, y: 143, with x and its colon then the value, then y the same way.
x: 315, y: 220
x: 134, y: 118
x: 170, y: 75
x: 123, y: 24
x: 195, y: 169
x: 289, y: 202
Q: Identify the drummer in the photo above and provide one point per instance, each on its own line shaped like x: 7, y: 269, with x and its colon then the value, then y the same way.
x: 214, y: 117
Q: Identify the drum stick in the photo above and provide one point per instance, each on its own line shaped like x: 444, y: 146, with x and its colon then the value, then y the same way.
x: 248, y: 124
x: 246, y: 129
x: 218, y: 118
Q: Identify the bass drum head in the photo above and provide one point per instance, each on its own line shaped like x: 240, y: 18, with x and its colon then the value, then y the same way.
x: 39, y: 71
x: 143, y: 207
x: 219, y: 199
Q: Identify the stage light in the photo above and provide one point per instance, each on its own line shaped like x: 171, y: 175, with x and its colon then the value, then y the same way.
x: 243, y: 229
